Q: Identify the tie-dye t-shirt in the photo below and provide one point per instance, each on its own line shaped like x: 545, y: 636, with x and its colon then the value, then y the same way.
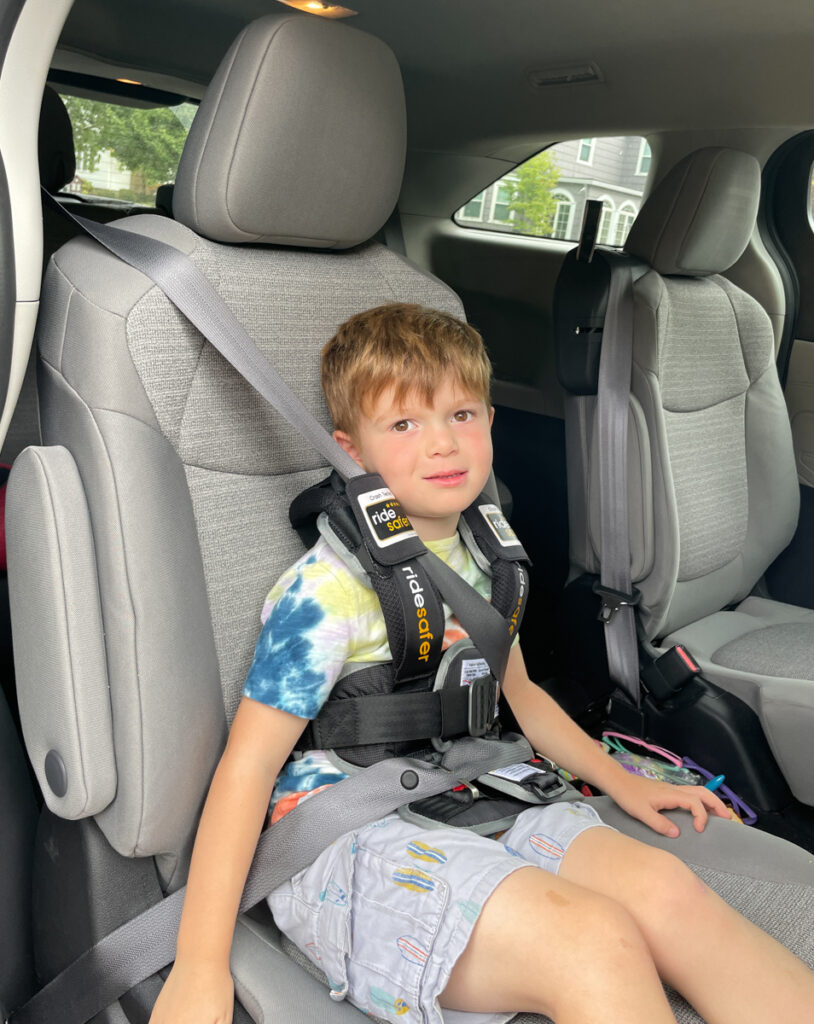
x: 318, y: 616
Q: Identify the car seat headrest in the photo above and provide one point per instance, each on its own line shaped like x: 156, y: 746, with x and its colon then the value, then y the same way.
x: 700, y: 217
x: 55, y: 146
x: 300, y: 139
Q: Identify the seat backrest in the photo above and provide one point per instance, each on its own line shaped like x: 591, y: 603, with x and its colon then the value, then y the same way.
x: 179, y: 475
x: 713, y: 490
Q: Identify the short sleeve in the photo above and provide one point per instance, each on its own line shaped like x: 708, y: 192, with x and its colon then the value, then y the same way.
x: 304, y: 642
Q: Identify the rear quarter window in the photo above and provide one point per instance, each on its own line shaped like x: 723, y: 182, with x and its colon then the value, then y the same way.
x: 125, y: 152
x: 545, y: 196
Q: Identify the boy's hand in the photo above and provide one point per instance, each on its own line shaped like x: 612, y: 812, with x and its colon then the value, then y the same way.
x: 195, y: 994
x: 645, y: 799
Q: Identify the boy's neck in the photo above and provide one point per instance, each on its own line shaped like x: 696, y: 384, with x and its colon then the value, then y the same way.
x: 429, y: 529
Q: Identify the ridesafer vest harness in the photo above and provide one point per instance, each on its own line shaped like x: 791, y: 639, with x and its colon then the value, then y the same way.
x: 425, y: 698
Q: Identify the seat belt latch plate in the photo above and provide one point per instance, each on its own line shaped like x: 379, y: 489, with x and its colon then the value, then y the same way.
x: 613, y: 600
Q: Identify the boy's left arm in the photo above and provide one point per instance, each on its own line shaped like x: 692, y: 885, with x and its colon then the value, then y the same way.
x: 552, y: 733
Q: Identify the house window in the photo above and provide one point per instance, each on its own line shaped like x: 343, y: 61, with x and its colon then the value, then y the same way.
x: 501, y: 202
x: 563, y: 216
x: 586, y: 151
x: 625, y: 216
x: 474, y: 208
x: 643, y: 166
x: 605, y: 221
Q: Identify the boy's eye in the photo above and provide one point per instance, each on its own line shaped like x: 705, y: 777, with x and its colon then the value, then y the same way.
x: 402, y: 426
x: 463, y: 415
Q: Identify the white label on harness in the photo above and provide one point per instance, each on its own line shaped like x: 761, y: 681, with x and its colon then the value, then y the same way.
x: 517, y: 772
x: 499, y: 525
x: 473, y: 668
x: 388, y: 524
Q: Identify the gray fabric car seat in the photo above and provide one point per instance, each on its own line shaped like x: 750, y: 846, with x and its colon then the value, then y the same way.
x: 713, y: 490
x: 145, y: 532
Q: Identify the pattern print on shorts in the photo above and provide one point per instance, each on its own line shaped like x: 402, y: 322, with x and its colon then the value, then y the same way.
x: 545, y: 846
x: 423, y: 851
x: 412, y: 950
x: 414, y: 880
x: 384, y: 1001
x: 334, y: 893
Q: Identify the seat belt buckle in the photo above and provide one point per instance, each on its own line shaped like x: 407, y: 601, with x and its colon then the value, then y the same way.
x: 670, y: 672
x: 482, y: 701
x: 613, y: 600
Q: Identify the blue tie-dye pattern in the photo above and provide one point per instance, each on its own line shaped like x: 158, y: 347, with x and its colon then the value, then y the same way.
x: 284, y: 673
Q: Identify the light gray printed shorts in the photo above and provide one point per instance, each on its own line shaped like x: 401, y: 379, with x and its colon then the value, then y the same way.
x: 386, y: 911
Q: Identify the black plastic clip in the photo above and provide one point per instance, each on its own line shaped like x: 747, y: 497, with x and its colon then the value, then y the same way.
x: 482, y: 700
x: 670, y: 673
x: 613, y: 600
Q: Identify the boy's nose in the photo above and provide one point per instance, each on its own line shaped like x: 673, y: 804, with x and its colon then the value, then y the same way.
x: 442, y: 440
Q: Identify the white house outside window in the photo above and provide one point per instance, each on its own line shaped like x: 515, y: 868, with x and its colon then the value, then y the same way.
x: 643, y: 166
x: 474, y: 208
x: 586, y: 151
x: 624, y: 220
x: 605, y: 221
x: 501, y: 203
x: 563, y: 215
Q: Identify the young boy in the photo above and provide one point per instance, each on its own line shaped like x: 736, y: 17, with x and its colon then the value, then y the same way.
x: 562, y: 915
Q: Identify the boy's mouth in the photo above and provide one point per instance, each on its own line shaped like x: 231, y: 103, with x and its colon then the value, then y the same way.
x: 447, y: 478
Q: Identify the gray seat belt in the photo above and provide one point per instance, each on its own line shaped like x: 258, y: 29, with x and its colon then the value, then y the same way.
x: 191, y: 291
x: 613, y: 399
x: 144, y: 945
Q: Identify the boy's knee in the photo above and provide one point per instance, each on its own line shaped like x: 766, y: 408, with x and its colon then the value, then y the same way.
x: 671, y: 889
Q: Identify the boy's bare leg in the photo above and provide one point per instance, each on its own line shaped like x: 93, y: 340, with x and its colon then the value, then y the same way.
x: 726, y: 967
x: 545, y: 945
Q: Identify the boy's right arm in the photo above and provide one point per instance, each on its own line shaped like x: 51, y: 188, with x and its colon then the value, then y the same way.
x: 199, y: 989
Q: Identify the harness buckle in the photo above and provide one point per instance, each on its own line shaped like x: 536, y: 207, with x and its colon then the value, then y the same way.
x: 613, y: 600
x: 482, y: 700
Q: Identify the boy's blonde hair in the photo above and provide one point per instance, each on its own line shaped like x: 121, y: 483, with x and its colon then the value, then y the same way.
x: 404, y: 345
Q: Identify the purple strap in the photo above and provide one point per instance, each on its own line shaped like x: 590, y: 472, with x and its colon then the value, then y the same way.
x: 747, y: 815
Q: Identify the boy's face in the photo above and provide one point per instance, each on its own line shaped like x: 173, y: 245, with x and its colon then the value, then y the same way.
x: 435, y: 458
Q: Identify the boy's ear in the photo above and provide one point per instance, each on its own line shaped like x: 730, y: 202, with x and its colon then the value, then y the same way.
x: 491, y: 415
x: 346, y: 441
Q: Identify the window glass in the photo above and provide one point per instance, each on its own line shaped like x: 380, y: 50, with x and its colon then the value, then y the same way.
x: 644, y: 158
x: 502, y: 208
x: 545, y: 196
x: 123, y: 152
x: 586, y: 150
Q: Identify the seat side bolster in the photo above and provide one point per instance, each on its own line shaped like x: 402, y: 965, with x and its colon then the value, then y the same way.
x: 59, y: 648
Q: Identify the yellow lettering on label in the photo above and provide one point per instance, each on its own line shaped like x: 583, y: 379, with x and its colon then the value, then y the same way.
x: 424, y: 648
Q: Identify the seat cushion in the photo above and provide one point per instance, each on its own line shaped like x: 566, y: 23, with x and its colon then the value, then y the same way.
x: 763, y: 652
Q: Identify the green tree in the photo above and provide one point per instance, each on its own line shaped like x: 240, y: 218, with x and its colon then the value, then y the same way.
x: 147, y: 141
x: 531, y: 200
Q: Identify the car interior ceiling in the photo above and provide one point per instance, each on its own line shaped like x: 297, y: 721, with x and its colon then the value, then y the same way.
x: 474, y: 111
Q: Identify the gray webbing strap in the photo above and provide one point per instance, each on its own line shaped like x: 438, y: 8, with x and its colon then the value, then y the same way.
x: 615, y: 366
x: 191, y: 291
x: 141, y: 947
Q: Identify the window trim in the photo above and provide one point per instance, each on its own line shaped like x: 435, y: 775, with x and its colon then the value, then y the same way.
x: 609, y: 211
x: 640, y: 173
x: 474, y: 220
x: 626, y: 207
x: 591, y: 142
x: 562, y: 195
x: 496, y: 187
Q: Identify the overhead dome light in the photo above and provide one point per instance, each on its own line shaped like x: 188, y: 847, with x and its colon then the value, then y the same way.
x: 320, y: 8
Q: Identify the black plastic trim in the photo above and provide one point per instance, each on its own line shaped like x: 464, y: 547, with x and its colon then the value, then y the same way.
x: 94, y: 83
